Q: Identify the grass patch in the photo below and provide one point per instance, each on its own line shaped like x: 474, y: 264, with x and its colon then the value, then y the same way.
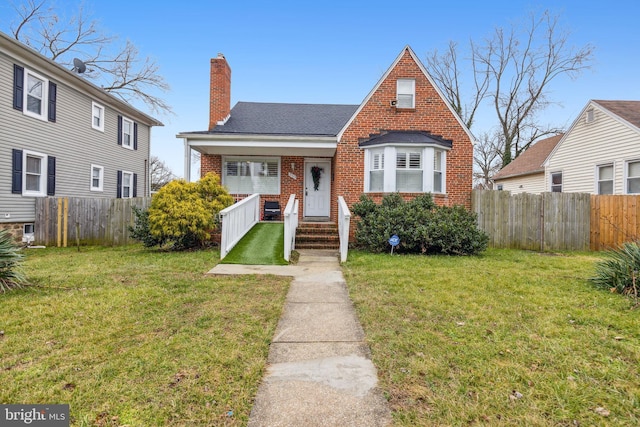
x: 262, y: 245
x: 128, y: 336
x: 507, y: 338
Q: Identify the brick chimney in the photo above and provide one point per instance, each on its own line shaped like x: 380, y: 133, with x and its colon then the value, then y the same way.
x: 220, y: 91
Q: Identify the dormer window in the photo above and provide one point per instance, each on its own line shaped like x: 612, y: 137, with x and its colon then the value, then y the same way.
x: 406, y: 93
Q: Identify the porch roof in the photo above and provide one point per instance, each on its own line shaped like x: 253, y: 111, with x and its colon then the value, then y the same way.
x: 263, y: 129
x: 258, y: 118
x: 261, y: 145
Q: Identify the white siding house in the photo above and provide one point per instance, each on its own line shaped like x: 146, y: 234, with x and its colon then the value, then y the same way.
x: 600, y: 154
x: 526, y: 173
x: 61, y: 135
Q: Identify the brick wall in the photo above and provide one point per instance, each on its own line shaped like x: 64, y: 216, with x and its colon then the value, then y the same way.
x: 219, y: 90
x: 431, y: 114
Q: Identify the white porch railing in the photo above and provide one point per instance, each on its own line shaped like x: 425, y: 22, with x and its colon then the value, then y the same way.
x: 237, y: 220
x: 290, y: 226
x: 344, y: 220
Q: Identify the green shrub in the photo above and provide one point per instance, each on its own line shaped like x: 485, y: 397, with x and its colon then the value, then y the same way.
x: 421, y: 225
x: 10, y: 263
x: 140, y: 231
x: 454, y: 231
x: 620, y: 270
x: 183, y: 214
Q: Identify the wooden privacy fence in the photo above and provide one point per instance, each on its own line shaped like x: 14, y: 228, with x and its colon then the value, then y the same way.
x: 557, y: 221
x: 64, y: 221
x: 548, y: 221
x: 614, y: 220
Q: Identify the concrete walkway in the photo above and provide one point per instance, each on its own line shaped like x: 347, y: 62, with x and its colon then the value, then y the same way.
x: 319, y: 368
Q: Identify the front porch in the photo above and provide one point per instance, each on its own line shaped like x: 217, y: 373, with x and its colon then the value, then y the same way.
x: 237, y: 220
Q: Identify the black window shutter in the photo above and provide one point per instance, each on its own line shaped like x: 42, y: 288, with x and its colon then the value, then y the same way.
x: 119, y: 184
x: 51, y: 176
x: 16, y: 174
x: 53, y: 92
x: 18, y: 86
x: 119, y: 130
x: 135, y: 185
x: 135, y: 136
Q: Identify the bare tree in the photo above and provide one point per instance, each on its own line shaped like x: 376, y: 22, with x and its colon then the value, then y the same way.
x: 487, y: 159
x: 444, y: 69
x: 513, y: 70
x: 161, y: 174
x: 118, y: 69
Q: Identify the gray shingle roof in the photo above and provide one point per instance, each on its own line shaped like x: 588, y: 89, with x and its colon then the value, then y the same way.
x: 406, y: 137
x: 286, y: 119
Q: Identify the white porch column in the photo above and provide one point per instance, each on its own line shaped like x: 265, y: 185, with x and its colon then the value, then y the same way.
x: 187, y: 160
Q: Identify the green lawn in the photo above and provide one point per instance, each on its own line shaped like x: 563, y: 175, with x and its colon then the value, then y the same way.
x: 262, y: 245
x: 128, y: 336
x: 507, y: 338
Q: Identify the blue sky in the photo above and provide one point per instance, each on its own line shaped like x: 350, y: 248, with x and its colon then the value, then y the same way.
x: 335, y: 51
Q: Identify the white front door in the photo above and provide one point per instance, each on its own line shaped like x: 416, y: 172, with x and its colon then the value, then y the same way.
x: 317, y: 188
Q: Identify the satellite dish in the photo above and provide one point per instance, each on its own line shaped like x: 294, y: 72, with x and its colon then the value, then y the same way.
x: 79, y: 66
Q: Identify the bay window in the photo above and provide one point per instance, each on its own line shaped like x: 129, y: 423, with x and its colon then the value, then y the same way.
x: 415, y: 169
x: 438, y: 183
x: 408, y: 170
x: 376, y: 175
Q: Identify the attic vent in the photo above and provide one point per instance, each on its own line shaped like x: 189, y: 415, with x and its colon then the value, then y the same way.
x: 590, y: 117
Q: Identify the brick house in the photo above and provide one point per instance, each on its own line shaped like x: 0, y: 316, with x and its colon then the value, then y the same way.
x: 404, y: 137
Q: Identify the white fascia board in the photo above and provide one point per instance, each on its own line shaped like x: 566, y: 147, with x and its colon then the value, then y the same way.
x: 545, y: 164
x: 263, y: 145
x: 407, y: 145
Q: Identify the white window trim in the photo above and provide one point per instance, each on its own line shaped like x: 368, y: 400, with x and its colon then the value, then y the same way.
x: 443, y: 171
x: 551, y: 181
x: 597, y: 177
x: 43, y: 174
x: 130, y: 196
x: 100, y: 187
x: 626, y: 175
x: 369, y: 155
x: 390, y: 151
x: 413, y: 93
x: 45, y: 95
x: 254, y: 159
x: 95, y: 105
x: 130, y: 146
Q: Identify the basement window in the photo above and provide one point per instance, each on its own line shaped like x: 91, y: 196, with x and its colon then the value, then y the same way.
x: 27, y: 233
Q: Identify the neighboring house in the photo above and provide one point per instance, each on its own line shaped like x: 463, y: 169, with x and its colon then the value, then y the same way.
x: 600, y: 153
x: 61, y: 135
x: 525, y: 174
x: 404, y: 137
